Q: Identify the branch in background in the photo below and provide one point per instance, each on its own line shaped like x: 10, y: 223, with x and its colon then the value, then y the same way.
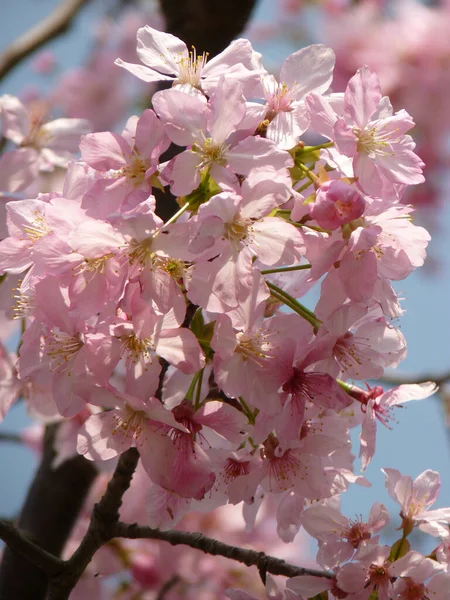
x: 398, y: 379
x: 101, y: 529
x: 171, y: 583
x: 50, y: 510
x: 35, y: 554
x: 6, y: 436
x: 265, y: 563
x: 49, y: 28
x: 210, y: 26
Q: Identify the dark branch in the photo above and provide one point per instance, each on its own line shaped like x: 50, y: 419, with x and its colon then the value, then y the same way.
x: 399, y: 379
x: 52, y: 26
x: 208, y: 25
x: 172, y: 582
x: 52, y: 506
x: 35, y: 554
x: 101, y: 529
x: 6, y: 436
x: 265, y: 563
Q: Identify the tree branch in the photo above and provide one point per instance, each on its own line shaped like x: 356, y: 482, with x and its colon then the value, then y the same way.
x: 101, y: 529
x: 270, y: 564
x: 171, y: 583
x: 29, y: 550
x: 50, y: 510
x: 14, y: 438
x: 399, y: 379
x: 52, y: 26
x: 208, y: 25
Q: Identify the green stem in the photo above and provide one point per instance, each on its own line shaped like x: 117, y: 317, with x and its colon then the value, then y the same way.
x: 247, y: 411
x: 294, y: 304
x: 285, y: 269
x: 303, y: 187
x: 199, y: 390
x: 182, y: 210
x: 318, y: 147
x: 309, y: 174
x: 190, y: 392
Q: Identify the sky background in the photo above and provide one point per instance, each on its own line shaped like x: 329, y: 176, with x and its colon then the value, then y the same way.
x: 419, y: 441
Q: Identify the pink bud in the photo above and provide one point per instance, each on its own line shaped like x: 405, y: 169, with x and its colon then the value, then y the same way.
x: 337, y: 203
x: 144, y: 570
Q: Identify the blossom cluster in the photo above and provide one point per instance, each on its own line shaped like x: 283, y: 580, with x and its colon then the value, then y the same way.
x: 186, y: 338
x: 407, y: 44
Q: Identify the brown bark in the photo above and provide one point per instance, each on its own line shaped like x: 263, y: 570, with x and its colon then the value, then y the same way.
x: 51, y: 508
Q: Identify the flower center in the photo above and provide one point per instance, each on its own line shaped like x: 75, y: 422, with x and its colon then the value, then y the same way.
x: 378, y: 574
x: 253, y: 346
x: 357, y: 533
x: 129, y: 422
x: 238, y: 230
x: 93, y: 265
x: 211, y: 152
x: 135, y: 170
x: 38, y: 228
x: 141, y: 252
x: 190, y: 68
x: 373, y: 142
x: 280, y: 100
x: 63, y: 348
x: 298, y: 385
x: 234, y: 468
x: 414, y: 591
x: 346, y: 352
x: 137, y: 348
x: 284, y: 467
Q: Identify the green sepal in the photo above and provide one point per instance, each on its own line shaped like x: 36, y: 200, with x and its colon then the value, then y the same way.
x: 399, y: 549
x: 198, y: 323
x: 203, y: 332
x: 207, y: 188
x: 307, y: 154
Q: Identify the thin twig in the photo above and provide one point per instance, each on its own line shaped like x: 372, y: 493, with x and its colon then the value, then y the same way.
x: 101, y: 529
x: 52, y: 26
x: 6, y: 436
x: 266, y: 563
x: 172, y: 582
x: 399, y: 379
x: 29, y: 550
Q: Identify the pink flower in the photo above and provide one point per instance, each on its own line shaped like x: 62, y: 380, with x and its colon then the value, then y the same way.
x: 42, y: 146
x: 415, y: 498
x: 372, y: 570
x: 361, y: 342
x: 273, y: 592
x: 308, y: 70
x: 167, y: 58
x: 374, y: 137
x: 125, y: 163
x: 338, y: 536
x: 106, y: 434
x: 218, y: 136
x: 377, y: 404
x: 63, y: 347
x: 96, y: 92
x: 336, y: 204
